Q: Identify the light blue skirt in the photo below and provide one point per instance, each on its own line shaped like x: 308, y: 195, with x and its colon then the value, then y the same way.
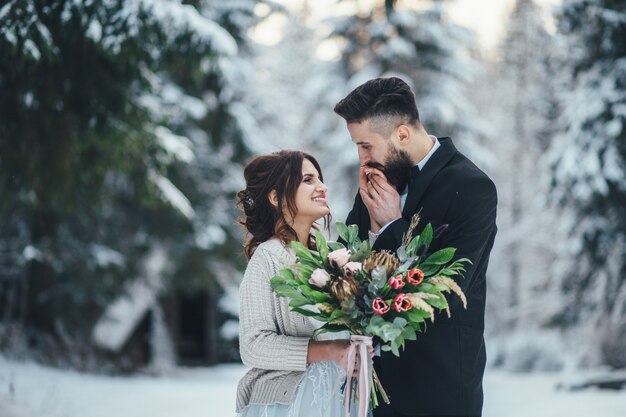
x: 319, y: 394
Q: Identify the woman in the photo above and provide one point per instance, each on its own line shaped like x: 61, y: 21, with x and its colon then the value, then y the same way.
x: 292, y: 374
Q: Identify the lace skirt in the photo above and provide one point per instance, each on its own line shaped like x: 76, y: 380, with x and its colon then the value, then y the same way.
x: 318, y: 395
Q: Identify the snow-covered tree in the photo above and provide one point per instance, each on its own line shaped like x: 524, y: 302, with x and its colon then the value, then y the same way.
x: 517, y: 97
x: 588, y: 158
x: 117, y: 135
x: 418, y: 42
x: 293, y: 93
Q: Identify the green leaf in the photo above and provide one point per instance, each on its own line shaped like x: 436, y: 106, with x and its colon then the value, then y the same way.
x: 330, y: 328
x: 439, y: 302
x: 316, y: 296
x: 379, y: 276
x: 299, y: 301
x: 353, y: 233
x: 342, y: 230
x: 440, y: 257
x: 287, y: 274
x: 306, y: 270
x: 408, y: 333
x: 426, y: 237
x: 399, y: 322
x: 362, y: 253
x: 430, y: 270
x: 417, y: 315
x: 414, y: 245
x: 304, y: 253
x: 286, y: 291
x: 401, y: 253
x: 278, y: 280
x: 334, y: 245
x: 431, y: 288
x: 320, y: 244
x: 394, y: 349
x: 308, y: 313
x: 335, y: 315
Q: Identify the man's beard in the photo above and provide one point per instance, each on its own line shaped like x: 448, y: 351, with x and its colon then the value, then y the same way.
x: 397, y: 167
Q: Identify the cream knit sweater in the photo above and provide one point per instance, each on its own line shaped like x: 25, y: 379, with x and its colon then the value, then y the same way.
x: 273, y: 341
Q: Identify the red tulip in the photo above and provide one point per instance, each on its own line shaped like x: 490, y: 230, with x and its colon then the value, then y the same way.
x: 402, y: 303
x: 415, y: 276
x: 379, y: 306
x: 396, y: 282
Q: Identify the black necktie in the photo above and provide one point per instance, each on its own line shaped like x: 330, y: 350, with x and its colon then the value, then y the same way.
x: 414, y: 173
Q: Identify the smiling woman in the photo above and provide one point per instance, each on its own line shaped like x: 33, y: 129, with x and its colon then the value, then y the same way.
x: 284, y: 196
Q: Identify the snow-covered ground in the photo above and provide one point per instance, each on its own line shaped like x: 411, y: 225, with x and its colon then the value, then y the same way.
x: 28, y: 390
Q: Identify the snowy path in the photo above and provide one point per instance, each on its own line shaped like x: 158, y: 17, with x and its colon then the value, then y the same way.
x: 210, y: 392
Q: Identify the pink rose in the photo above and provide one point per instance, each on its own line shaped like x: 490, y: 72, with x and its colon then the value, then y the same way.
x: 339, y: 257
x: 319, y: 278
x: 379, y: 306
x: 396, y: 282
x: 352, y: 267
x: 402, y: 302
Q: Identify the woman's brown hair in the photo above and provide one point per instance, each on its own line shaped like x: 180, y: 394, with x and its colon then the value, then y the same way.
x: 279, y: 171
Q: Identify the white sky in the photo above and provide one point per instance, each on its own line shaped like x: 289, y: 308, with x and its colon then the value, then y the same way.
x: 486, y: 17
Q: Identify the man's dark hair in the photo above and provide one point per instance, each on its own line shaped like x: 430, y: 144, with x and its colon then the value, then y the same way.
x: 379, y: 98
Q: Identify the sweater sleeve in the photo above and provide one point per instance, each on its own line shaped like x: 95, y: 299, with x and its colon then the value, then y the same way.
x: 261, y: 343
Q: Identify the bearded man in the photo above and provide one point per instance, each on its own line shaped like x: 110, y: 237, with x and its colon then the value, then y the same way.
x: 404, y: 170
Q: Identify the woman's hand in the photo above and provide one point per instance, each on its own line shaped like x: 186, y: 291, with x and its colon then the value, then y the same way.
x: 343, y: 358
x: 333, y: 350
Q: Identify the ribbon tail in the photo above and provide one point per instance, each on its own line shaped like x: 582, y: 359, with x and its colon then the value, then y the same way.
x: 348, y: 392
x: 364, y: 380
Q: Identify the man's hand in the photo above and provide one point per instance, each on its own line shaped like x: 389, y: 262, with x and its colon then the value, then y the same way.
x: 381, y: 198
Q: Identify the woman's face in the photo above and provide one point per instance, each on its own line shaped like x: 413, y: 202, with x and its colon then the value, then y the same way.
x: 311, y: 195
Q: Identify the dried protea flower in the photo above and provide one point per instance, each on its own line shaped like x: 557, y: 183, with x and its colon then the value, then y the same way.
x: 342, y: 288
x: 382, y: 258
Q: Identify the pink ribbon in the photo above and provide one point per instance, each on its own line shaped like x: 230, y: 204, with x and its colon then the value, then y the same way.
x: 358, y: 350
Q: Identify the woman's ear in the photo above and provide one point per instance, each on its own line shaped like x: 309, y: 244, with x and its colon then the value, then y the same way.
x: 273, y: 198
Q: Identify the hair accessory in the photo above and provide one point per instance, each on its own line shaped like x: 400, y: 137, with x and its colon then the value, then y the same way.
x: 248, y: 201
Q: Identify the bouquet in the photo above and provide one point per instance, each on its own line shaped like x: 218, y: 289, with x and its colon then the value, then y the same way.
x: 351, y: 288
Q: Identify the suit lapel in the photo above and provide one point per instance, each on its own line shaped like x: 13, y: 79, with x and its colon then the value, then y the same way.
x: 418, y: 187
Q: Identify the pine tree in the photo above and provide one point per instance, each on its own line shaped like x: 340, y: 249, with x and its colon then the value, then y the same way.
x: 525, y: 99
x: 518, y: 99
x: 589, y: 172
x: 293, y: 94
x: 116, y: 131
x: 420, y: 44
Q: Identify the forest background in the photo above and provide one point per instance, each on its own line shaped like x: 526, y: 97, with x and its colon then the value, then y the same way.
x: 125, y: 126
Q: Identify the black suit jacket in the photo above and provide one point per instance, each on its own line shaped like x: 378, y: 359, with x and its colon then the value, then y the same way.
x: 440, y: 374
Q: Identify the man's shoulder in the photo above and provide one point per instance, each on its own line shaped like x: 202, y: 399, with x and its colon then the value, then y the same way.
x: 465, y: 174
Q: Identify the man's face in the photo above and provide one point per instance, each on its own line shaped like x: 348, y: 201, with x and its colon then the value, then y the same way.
x: 375, y: 151
x: 371, y: 145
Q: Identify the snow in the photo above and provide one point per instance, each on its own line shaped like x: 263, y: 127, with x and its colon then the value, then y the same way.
x: 193, y: 106
x: 210, y: 392
x: 173, y: 17
x: 106, y: 256
x: 122, y: 316
x: 178, y: 147
x: 173, y: 195
x: 209, y: 236
x: 30, y: 252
